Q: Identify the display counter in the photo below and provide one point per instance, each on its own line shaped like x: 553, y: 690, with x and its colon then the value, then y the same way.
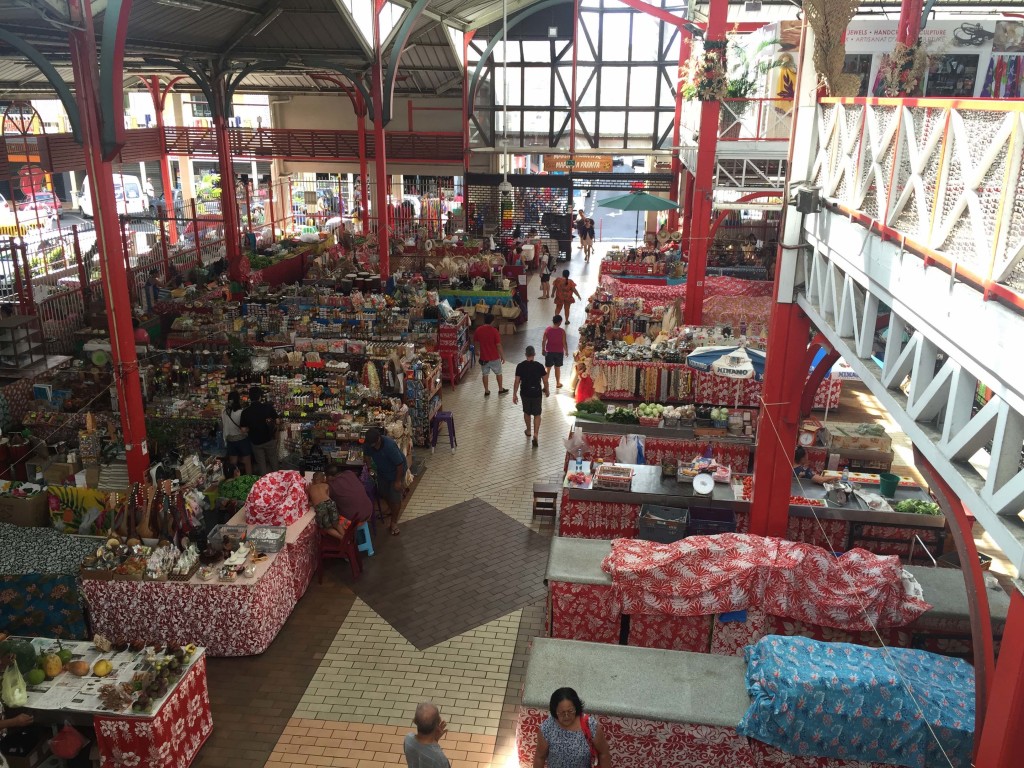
x: 239, y: 618
x: 603, y: 514
x: 583, y: 605
x: 656, y: 708
x: 168, y: 735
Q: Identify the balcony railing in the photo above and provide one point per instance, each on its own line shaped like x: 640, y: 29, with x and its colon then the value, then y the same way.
x: 755, y: 119
x: 941, y: 176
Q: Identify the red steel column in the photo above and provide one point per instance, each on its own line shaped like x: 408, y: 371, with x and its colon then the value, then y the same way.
x: 380, y: 156
x: 677, y: 163
x: 1002, y: 737
x: 364, y: 197
x: 228, y: 203
x: 707, y: 143
x: 114, y: 277
x: 159, y: 96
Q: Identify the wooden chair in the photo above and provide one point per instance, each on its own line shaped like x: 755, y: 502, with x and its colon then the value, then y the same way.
x: 545, y: 499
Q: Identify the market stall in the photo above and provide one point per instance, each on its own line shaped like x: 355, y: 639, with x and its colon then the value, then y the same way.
x: 607, y: 513
x: 39, y: 592
x: 240, y: 617
x: 148, y: 706
x: 585, y: 603
x: 683, y: 709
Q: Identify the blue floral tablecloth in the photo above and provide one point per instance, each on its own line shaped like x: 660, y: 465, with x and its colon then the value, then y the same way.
x: 853, y: 702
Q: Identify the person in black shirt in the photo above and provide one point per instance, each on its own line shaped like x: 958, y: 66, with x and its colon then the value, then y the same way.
x: 259, y: 421
x: 532, y: 377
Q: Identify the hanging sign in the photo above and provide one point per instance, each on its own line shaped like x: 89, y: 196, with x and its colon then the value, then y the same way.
x: 578, y: 164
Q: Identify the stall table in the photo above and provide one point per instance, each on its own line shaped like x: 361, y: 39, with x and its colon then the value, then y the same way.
x: 592, y: 513
x: 669, y: 709
x: 168, y: 737
x: 582, y: 605
x: 239, y: 618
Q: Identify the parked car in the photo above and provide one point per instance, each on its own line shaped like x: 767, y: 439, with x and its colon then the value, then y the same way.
x: 638, y: 162
x: 131, y: 199
x: 158, y: 205
x: 44, y: 198
x: 617, y: 161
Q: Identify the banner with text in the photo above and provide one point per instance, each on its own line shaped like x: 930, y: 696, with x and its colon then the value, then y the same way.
x: 579, y: 164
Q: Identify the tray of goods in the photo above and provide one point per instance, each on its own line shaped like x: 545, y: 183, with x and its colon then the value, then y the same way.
x: 236, y: 533
x: 268, y: 538
x: 803, y: 501
x: 613, y: 478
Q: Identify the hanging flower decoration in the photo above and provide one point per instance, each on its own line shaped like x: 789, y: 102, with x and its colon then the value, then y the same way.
x: 902, y: 71
x: 703, y: 77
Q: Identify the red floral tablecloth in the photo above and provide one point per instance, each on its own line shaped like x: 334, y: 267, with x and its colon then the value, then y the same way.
x: 735, y: 456
x: 897, y: 637
x: 638, y: 743
x: 588, y: 612
x: 598, y: 520
x: 671, y: 633
x: 731, y: 572
x: 827, y: 534
x: 237, y: 619
x: 729, y: 637
x: 170, y: 739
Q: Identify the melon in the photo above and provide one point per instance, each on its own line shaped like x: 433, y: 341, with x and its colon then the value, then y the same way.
x: 52, y: 665
x: 79, y: 668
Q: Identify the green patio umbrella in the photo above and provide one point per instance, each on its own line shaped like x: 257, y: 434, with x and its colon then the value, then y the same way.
x: 639, y: 201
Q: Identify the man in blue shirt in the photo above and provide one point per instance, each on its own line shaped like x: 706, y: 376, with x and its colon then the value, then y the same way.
x: 389, y: 461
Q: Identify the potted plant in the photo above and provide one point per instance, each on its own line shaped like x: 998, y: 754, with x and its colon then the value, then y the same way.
x: 746, y: 71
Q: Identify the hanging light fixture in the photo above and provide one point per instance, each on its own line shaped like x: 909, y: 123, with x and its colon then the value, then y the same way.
x: 505, y: 187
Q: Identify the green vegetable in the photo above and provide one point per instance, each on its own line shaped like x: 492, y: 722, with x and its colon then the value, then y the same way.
x: 24, y: 654
x: 593, y: 405
x: 916, y: 507
x: 587, y: 416
x: 622, y: 416
x: 237, y: 488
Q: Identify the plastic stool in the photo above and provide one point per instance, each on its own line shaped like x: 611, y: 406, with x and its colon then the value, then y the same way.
x: 472, y: 356
x: 446, y: 418
x: 364, y: 542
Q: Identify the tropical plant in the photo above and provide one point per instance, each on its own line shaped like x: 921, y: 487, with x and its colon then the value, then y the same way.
x: 703, y: 77
x: 746, y: 70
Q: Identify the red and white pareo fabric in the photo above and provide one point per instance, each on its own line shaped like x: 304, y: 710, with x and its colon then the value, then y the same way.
x: 730, y: 572
x: 277, y: 499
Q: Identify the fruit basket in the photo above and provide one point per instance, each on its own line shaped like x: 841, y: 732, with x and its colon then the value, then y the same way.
x: 613, y: 478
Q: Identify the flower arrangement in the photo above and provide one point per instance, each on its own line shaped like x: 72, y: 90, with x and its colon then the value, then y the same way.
x: 703, y: 77
x: 901, y: 72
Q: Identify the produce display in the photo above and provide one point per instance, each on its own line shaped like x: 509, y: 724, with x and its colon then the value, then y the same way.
x: 237, y: 488
x: 917, y: 507
x: 622, y: 415
x: 98, y: 676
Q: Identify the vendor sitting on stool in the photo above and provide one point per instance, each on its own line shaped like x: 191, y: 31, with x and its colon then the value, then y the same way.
x: 803, y: 472
x: 327, y: 516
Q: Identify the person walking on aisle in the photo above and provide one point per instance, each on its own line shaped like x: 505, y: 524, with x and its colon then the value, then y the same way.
x: 389, y: 461
x: 532, y: 380
x: 589, y: 233
x: 423, y: 748
x: 554, y: 346
x: 565, y: 294
x: 547, y: 266
x: 491, y: 354
x: 259, y: 421
x: 580, y: 224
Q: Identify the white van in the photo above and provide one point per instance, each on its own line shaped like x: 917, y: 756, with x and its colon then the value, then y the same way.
x: 128, y: 191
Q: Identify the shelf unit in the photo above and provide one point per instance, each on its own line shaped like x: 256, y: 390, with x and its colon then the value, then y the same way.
x: 21, y: 344
x: 453, y: 346
x: 423, y: 394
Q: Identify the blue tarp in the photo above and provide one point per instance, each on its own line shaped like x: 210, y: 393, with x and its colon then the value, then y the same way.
x: 852, y: 702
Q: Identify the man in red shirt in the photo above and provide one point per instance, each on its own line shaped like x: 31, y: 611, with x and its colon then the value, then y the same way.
x: 554, y: 346
x: 490, y: 353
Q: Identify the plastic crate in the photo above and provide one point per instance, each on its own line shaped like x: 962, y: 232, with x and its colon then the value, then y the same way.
x: 707, y: 522
x: 663, y: 524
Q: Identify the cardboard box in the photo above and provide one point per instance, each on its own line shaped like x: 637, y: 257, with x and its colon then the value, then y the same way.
x: 29, y: 512
x: 59, y: 471
x: 38, y: 757
x: 840, y: 438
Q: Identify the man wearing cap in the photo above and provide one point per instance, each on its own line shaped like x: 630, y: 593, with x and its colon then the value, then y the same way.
x: 389, y: 461
x: 532, y: 379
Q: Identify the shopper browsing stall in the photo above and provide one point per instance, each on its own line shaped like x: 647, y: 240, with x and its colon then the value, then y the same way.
x: 389, y: 462
x: 259, y: 421
x: 490, y: 353
x: 532, y: 380
x: 554, y: 346
x: 547, y: 266
x: 238, y: 451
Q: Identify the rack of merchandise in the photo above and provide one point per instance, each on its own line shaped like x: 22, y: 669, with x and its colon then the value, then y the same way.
x: 21, y: 344
x: 453, y: 344
x: 423, y: 395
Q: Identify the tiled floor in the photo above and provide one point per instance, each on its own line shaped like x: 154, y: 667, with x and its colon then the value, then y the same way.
x: 481, y: 563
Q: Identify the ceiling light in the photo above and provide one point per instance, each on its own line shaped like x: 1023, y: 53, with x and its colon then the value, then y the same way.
x: 552, y: 31
x: 267, y: 21
x: 180, y: 4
